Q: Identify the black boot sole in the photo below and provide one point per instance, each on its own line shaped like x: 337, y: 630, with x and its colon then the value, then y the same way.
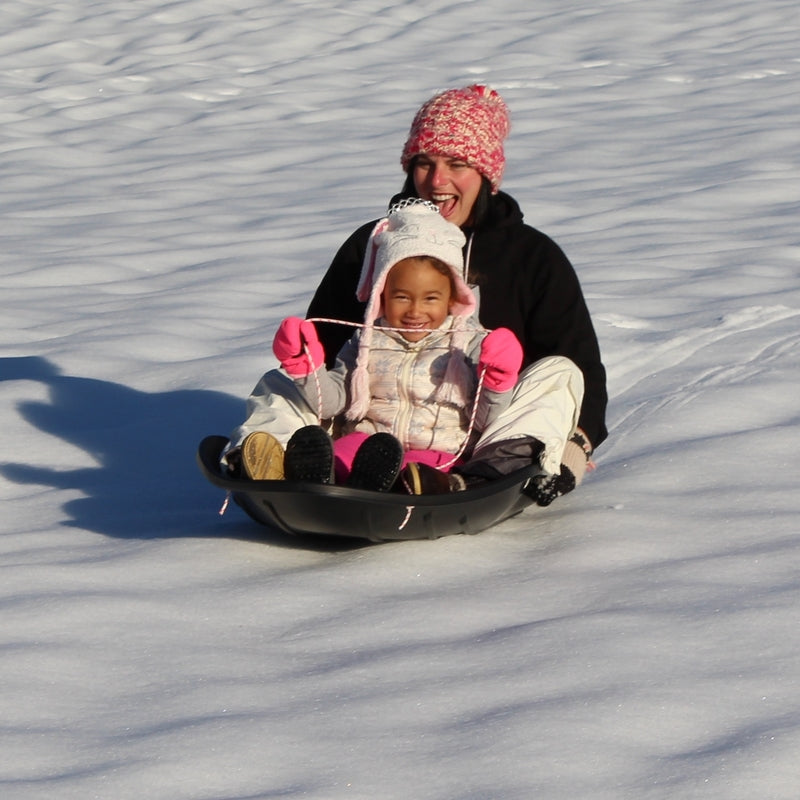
x: 309, y: 456
x: 376, y: 464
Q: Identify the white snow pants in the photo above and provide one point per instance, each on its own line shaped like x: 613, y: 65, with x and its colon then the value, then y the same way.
x: 545, y: 405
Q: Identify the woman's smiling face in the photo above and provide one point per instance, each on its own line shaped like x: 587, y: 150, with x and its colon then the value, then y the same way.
x: 448, y: 182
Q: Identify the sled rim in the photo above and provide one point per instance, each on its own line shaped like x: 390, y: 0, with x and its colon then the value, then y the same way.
x: 377, y: 516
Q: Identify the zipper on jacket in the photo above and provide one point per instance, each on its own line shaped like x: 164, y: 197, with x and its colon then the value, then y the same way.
x: 405, y: 409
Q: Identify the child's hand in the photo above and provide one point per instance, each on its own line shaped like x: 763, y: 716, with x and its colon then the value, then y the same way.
x: 501, y: 357
x: 288, y: 346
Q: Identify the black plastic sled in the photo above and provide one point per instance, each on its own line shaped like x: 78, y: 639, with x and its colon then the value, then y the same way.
x: 305, y: 508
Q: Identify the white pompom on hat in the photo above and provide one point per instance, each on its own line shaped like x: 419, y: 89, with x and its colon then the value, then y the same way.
x: 412, y: 228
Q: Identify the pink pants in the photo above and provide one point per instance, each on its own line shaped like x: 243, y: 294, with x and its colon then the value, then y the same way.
x: 344, y: 451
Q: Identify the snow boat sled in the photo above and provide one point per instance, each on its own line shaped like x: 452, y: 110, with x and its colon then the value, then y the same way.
x: 305, y: 508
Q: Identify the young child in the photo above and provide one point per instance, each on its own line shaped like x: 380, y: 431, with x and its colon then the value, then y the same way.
x: 405, y: 384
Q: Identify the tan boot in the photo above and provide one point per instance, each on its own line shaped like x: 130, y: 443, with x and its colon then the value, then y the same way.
x: 262, y: 457
x: 424, y: 479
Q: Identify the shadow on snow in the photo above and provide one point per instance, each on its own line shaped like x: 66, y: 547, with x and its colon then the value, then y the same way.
x: 147, y: 484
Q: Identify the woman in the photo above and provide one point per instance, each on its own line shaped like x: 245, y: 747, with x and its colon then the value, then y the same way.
x: 454, y: 157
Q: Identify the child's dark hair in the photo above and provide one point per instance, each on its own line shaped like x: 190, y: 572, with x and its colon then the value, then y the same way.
x: 441, y: 267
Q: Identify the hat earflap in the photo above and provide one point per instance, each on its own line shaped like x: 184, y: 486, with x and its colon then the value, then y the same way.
x: 368, y: 291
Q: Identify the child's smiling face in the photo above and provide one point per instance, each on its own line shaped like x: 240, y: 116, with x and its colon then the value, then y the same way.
x: 417, y: 296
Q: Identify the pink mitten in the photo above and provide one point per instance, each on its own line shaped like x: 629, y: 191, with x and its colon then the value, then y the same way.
x: 288, y: 343
x: 501, y: 356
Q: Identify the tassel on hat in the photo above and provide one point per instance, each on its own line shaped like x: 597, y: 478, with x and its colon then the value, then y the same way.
x: 412, y: 228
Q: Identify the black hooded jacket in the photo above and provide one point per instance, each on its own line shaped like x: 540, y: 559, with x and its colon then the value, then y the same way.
x: 526, y: 284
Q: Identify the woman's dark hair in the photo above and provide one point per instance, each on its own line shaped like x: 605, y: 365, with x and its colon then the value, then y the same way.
x: 482, y: 210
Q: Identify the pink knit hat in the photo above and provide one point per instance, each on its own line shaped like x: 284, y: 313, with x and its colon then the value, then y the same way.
x: 413, y: 227
x: 469, y: 123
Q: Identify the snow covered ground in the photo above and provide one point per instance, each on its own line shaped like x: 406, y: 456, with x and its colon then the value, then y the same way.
x: 175, y: 178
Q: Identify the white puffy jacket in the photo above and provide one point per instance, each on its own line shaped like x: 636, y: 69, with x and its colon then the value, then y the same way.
x: 403, y: 379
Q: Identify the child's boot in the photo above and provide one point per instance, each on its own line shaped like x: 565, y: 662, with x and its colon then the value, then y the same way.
x: 424, y: 479
x: 309, y: 456
x: 262, y: 457
x: 377, y: 463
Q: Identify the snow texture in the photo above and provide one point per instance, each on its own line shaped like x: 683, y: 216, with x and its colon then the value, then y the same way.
x: 176, y: 177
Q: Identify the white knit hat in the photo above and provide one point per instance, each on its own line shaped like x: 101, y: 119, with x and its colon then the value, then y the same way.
x: 412, y: 228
